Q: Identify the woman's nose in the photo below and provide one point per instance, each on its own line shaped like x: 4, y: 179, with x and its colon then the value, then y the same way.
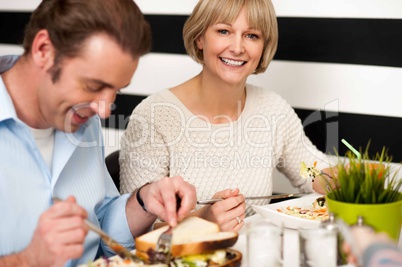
x: 237, y: 46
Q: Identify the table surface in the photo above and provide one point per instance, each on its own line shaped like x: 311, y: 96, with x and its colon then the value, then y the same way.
x: 290, y: 245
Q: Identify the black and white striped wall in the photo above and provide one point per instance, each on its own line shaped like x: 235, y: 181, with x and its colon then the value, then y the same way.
x: 338, y: 64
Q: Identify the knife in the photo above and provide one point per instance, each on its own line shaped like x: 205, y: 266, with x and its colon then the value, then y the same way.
x: 115, y: 246
x: 214, y: 200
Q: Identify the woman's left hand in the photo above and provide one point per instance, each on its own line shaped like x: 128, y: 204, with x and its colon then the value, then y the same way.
x: 324, y: 183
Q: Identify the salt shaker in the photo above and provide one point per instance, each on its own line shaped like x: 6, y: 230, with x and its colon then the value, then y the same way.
x: 330, y: 224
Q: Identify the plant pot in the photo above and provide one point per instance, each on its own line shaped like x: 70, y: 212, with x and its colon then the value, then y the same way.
x: 385, y: 217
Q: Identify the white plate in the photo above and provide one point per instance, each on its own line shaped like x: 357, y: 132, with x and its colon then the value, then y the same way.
x: 289, y: 221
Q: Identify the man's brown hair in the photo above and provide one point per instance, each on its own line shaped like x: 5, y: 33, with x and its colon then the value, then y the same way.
x: 71, y: 22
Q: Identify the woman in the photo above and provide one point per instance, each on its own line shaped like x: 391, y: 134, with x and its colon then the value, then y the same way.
x: 218, y: 132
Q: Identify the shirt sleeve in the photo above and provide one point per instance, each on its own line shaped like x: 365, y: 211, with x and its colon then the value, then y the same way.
x: 115, y: 223
x: 382, y: 255
x: 112, y: 214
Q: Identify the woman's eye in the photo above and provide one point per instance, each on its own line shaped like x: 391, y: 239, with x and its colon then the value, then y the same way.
x: 223, y: 31
x: 252, y: 36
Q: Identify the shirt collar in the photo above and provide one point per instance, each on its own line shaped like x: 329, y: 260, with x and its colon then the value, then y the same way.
x: 7, y: 110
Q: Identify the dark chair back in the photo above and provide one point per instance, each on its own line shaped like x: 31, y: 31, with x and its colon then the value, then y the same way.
x: 112, y: 164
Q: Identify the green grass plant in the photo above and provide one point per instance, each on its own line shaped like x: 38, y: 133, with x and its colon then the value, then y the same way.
x: 366, y: 180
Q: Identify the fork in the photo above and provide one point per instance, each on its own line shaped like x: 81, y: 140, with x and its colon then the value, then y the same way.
x: 311, y: 172
x: 164, y: 243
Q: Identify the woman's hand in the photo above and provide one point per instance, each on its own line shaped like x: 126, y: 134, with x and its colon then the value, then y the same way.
x: 325, y: 181
x: 228, y: 213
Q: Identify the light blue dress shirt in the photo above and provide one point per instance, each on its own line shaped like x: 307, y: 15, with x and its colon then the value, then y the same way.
x: 27, y: 184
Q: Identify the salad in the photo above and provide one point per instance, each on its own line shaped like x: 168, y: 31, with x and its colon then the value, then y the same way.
x: 318, y: 211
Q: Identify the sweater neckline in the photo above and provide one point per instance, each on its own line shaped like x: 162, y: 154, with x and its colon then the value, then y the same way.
x: 188, y: 113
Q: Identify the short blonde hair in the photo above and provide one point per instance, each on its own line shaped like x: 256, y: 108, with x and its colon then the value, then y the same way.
x: 260, y: 14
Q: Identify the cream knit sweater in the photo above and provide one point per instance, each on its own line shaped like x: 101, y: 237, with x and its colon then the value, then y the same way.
x: 164, y: 138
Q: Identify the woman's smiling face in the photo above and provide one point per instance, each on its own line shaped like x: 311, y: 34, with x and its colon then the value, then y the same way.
x: 231, y: 51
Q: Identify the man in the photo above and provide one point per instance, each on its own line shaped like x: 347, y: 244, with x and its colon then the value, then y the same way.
x: 371, y: 249
x: 78, y: 55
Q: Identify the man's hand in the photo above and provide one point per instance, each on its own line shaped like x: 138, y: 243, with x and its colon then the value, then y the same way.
x: 363, y: 237
x: 160, y: 198
x: 59, y: 235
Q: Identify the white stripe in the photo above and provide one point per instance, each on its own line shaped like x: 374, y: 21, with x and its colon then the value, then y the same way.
x: 159, y: 71
x: 10, y: 49
x: 371, y: 90
x: 294, y: 8
x: 19, y: 5
x: 389, y: 9
x: 171, y: 7
x: 355, y: 88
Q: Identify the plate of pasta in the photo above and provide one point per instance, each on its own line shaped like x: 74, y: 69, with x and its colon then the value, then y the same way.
x: 304, y: 213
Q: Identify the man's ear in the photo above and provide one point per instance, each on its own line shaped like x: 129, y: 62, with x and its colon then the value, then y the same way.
x: 42, y: 50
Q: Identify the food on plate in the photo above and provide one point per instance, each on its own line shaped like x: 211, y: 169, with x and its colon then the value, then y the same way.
x: 319, y: 203
x: 116, y: 261
x: 318, y: 210
x: 195, y: 243
x: 309, y: 172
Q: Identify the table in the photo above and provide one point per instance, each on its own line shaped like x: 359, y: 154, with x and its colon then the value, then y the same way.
x: 290, y: 245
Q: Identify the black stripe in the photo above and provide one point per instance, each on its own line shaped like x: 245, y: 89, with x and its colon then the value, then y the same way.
x: 124, y: 105
x: 325, y: 129
x: 12, y: 25
x: 354, y: 41
x: 332, y: 40
x: 167, y: 33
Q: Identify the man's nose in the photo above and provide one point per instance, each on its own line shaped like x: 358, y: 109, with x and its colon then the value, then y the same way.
x: 104, y: 106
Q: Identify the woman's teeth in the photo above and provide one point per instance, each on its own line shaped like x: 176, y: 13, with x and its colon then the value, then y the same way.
x: 231, y: 62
